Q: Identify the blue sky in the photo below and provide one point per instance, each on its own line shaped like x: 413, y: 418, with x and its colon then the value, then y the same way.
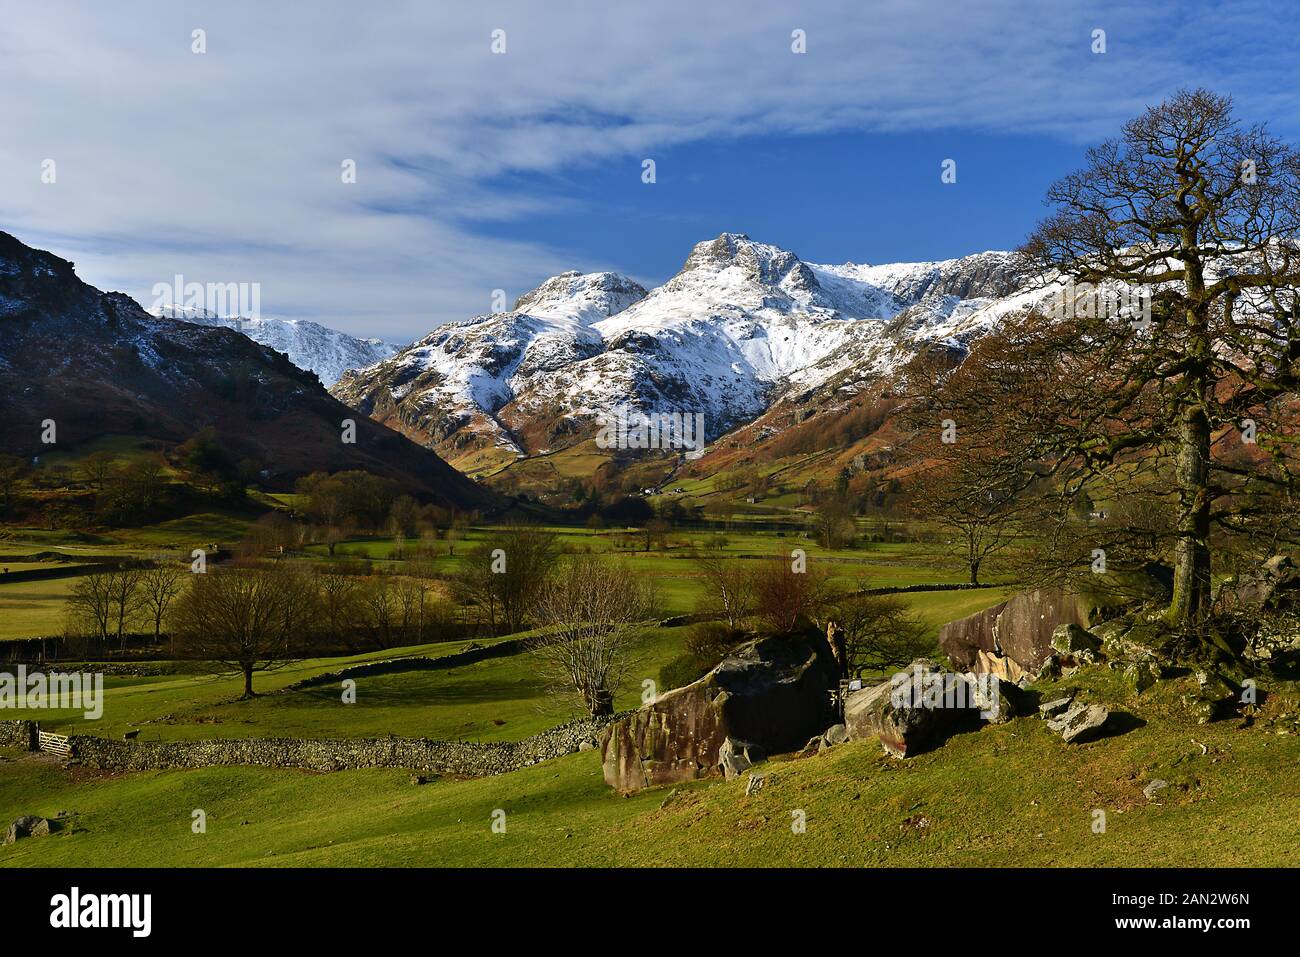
x: 831, y: 198
x: 479, y: 171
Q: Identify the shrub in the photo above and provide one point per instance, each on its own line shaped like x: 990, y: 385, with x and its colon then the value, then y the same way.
x: 712, y: 640
x: 683, y: 670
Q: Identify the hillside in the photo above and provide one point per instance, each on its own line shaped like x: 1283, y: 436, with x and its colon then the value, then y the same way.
x: 1012, y: 795
x: 95, y: 363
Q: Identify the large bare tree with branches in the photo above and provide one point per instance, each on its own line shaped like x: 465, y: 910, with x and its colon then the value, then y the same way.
x: 1169, y: 365
x: 242, y: 618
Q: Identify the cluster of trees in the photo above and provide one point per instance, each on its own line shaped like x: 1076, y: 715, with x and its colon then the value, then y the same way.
x: 747, y: 478
x: 587, y: 609
x: 253, y: 614
x: 112, y: 604
x: 125, y: 491
x: 344, y: 503
x: 252, y: 617
x: 12, y: 471
x: 212, y: 467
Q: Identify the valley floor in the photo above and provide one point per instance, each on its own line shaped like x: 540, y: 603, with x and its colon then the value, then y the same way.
x: 1011, y: 795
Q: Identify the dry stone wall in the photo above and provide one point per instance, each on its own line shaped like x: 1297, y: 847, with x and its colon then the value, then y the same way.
x: 18, y: 734
x: 460, y: 758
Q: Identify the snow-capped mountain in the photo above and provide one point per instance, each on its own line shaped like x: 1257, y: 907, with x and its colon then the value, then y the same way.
x: 740, y: 326
x: 309, y: 345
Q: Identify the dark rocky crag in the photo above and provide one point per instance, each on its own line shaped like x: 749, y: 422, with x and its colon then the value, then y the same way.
x: 97, y: 363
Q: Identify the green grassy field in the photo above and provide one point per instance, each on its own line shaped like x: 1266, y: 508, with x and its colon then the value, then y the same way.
x: 1008, y: 795
x: 28, y: 609
x: 34, y: 608
x: 1011, y: 795
x: 502, y: 699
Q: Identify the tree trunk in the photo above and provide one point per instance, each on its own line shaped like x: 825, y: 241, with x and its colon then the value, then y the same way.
x: 1191, y: 597
x: 248, y: 680
x: 974, y: 573
x: 600, y: 702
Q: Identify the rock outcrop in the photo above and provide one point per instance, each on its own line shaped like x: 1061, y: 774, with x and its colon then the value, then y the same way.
x: 915, y: 711
x: 27, y: 826
x: 767, y: 697
x: 1015, y: 638
x: 1078, y: 723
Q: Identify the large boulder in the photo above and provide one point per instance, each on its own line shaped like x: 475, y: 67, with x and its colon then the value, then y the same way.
x: 969, y: 642
x: 27, y: 826
x: 1024, y: 630
x: 1012, y: 639
x: 916, y: 710
x: 767, y: 697
x: 1274, y: 586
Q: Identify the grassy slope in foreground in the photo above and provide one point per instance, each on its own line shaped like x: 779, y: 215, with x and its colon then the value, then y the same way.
x: 1012, y: 795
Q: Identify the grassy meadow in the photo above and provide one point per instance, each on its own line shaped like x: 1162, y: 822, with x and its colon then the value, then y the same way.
x: 1009, y: 795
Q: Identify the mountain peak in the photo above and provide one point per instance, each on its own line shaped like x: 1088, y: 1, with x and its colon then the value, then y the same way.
x: 761, y: 263
x: 586, y: 297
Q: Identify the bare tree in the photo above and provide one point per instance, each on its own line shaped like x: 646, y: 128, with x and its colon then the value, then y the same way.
x: 340, y: 605
x: 123, y: 584
x: 411, y: 595
x: 505, y: 575
x: 90, y: 606
x: 97, y: 468
x: 159, y: 586
x: 591, y: 609
x: 728, y: 586
x: 382, y: 607
x: 1174, y: 344
x: 788, y: 592
x: 1208, y: 211
x: 236, y: 618
x: 975, y: 502
x: 880, y: 632
x: 833, y: 522
x: 473, y: 585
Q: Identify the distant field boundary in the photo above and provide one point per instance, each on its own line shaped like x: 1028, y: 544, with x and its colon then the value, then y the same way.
x: 57, y: 571
x: 501, y: 649
x: 678, y: 620
x: 905, y: 589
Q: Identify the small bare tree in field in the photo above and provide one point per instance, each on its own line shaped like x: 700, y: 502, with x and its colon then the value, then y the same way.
x: 787, y: 594
x: 341, y: 606
x: 505, y: 575
x: 239, y: 618
x: 123, y: 585
x: 880, y: 632
x: 159, y: 586
x: 591, y: 609
x: 977, y: 505
x: 90, y: 606
x: 728, y: 586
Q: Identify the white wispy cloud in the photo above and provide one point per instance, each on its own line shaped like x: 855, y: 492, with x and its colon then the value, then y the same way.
x: 226, y: 166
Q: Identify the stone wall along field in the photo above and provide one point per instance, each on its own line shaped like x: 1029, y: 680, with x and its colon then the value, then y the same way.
x: 460, y: 758
x: 18, y: 734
